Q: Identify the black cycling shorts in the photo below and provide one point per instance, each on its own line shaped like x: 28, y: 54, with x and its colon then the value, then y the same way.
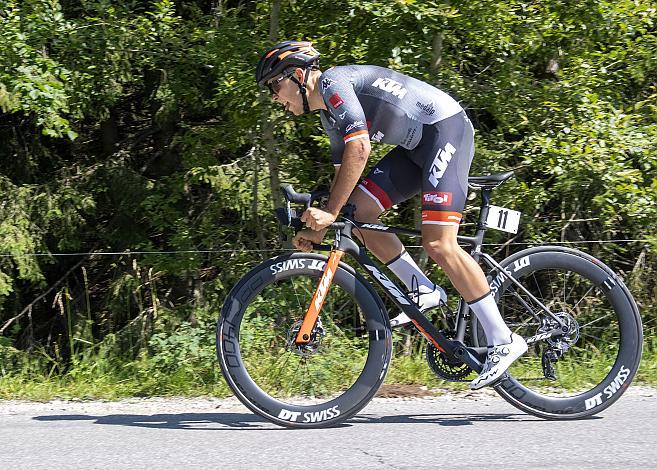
x: 438, y: 166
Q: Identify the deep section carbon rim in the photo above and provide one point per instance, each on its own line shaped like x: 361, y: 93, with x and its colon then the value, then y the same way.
x: 588, y: 367
x: 322, y: 383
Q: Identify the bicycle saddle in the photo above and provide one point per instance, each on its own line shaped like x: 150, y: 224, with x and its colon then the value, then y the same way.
x: 489, y: 181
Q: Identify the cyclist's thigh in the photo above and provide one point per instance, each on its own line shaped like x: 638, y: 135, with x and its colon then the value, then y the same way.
x: 446, y: 154
x: 394, y: 179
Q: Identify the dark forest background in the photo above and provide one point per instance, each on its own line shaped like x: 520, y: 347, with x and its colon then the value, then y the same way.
x: 136, y: 126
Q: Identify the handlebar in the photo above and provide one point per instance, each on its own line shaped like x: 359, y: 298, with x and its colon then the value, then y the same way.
x: 288, y: 216
x: 289, y: 219
x: 302, y: 198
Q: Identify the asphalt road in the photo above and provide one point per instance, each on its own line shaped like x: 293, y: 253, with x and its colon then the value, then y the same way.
x: 477, y: 430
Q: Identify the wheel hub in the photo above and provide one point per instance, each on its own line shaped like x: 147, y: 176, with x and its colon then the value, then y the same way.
x: 570, y: 330
x: 312, y: 346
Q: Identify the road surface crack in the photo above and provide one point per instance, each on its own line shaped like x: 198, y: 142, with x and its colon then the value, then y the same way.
x: 379, y: 458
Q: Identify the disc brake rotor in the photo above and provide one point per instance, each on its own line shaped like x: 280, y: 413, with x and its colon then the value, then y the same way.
x: 312, y: 346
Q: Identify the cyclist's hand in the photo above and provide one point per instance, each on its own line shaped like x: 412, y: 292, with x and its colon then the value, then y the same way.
x: 304, y: 239
x: 317, y: 219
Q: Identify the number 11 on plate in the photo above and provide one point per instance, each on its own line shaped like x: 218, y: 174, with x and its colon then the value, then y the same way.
x: 504, y: 219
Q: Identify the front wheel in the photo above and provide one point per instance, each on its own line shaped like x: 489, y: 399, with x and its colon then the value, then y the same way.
x: 589, y: 366
x: 324, y: 382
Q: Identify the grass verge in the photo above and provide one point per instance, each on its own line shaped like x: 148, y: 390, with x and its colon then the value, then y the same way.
x: 98, y: 376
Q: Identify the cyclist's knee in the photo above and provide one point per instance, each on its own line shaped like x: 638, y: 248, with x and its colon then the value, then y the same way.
x: 367, y: 210
x: 441, y: 249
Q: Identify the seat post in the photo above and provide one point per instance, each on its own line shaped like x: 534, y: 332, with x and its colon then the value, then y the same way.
x: 483, y: 213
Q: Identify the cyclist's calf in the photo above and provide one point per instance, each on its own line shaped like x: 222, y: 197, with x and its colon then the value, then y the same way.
x: 441, y: 245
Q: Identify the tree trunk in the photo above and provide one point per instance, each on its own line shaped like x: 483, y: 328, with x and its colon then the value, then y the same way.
x: 268, y: 138
x: 110, y: 133
x: 437, y: 52
x: 257, y: 226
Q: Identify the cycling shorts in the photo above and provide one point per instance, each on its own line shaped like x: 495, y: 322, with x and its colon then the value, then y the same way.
x: 438, y: 166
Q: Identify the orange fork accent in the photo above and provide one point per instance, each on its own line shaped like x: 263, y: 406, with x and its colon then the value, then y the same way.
x: 309, y: 320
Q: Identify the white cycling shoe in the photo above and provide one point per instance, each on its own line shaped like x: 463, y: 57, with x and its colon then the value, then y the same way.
x: 427, y: 300
x: 498, y: 360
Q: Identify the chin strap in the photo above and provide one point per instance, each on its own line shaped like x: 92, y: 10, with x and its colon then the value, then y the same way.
x: 302, y: 89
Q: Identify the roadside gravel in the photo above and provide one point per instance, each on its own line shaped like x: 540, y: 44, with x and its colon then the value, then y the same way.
x: 389, y: 396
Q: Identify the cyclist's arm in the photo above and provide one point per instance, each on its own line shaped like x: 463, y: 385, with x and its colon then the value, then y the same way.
x: 335, y: 177
x: 348, y: 173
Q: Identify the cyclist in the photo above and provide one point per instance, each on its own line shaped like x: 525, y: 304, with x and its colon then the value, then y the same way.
x: 360, y: 104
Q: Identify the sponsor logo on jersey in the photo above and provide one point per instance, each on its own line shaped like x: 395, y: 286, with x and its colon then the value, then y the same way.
x: 440, y: 198
x: 427, y: 109
x: 342, y: 115
x: 335, y: 101
x: 391, y: 86
x: 378, y: 135
x: 354, y: 125
x: 410, y: 135
x: 326, y: 84
x: 377, y: 171
x: 440, y: 162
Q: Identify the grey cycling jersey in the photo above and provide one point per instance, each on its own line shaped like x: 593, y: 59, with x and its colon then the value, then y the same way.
x: 387, y: 106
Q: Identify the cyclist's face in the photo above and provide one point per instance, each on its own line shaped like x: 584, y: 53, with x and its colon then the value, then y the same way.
x: 286, y: 92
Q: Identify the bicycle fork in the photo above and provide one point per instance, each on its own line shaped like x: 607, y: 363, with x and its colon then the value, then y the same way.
x: 310, y: 318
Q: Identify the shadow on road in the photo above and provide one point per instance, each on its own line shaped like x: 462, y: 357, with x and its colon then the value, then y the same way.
x: 245, y: 421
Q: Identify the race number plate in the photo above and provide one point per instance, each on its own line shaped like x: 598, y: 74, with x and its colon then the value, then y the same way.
x: 504, y: 219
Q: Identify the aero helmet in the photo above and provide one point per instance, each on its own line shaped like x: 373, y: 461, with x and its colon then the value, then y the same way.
x: 288, y: 54
x: 283, y: 55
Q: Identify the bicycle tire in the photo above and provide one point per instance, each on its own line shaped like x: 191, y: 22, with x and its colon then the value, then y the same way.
x: 273, y: 296
x: 607, y: 298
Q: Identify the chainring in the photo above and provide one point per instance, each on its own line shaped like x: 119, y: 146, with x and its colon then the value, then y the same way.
x: 445, y: 368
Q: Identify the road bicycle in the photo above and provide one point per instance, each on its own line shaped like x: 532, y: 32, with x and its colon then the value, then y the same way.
x: 304, y: 340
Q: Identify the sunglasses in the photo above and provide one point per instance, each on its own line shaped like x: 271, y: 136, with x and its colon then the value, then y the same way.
x: 275, y: 85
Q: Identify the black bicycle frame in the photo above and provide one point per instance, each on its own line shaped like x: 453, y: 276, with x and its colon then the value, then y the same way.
x: 452, y: 347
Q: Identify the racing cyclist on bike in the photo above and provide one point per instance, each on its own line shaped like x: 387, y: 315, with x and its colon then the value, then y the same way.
x: 434, y: 139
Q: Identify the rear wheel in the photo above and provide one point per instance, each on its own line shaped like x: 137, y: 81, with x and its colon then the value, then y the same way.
x: 589, y: 366
x: 323, y: 382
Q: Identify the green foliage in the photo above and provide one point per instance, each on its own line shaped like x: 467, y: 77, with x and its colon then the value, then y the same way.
x: 137, y: 126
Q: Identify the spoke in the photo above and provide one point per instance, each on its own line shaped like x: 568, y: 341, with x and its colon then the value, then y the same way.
x: 280, y: 368
x: 583, y: 297
x: 591, y: 336
x: 595, y: 321
x: 564, y: 287
x: 569, y: 293
x: 538, y: 287
x: 296, y: 295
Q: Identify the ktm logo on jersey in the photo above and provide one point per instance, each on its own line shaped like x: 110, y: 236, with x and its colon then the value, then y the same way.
x: 440, y: 162
x: 391, y: 86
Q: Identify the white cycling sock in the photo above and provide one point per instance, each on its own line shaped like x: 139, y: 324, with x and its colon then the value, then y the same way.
x: 492, y: 322
x: 405, y: 269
